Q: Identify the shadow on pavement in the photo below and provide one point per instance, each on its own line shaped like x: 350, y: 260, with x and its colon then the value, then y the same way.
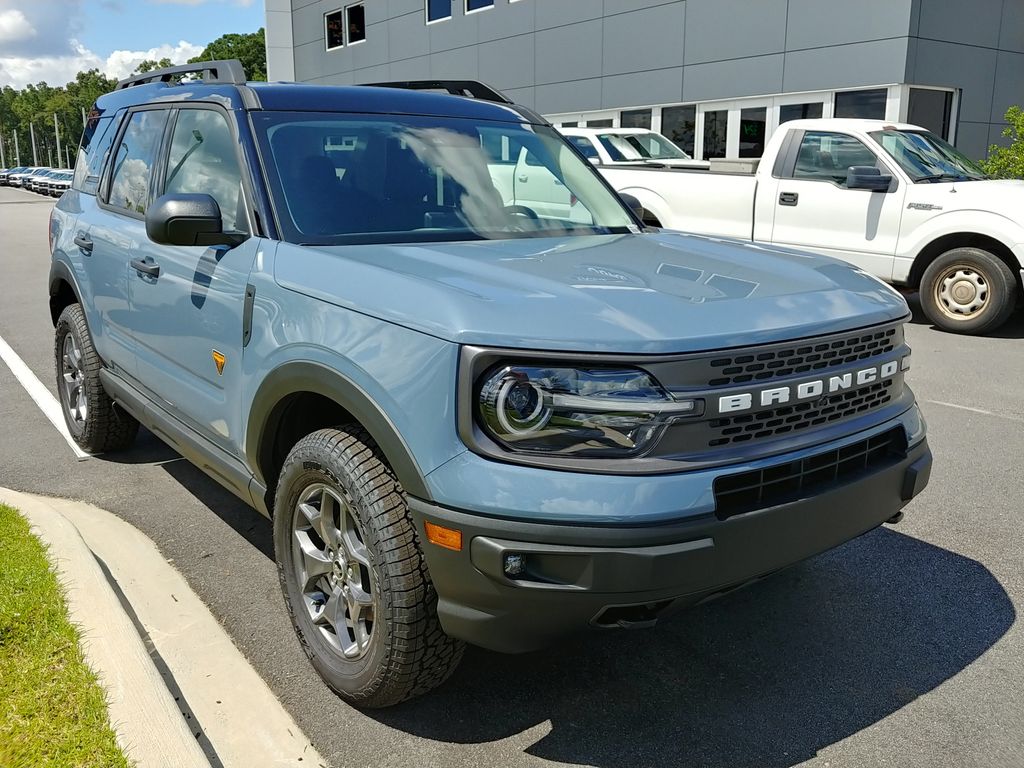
x: 765, y: 677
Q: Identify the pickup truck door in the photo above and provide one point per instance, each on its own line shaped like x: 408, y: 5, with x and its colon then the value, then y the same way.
x: 189, y: 301
x: 537, y: 188
x: 813, y: 209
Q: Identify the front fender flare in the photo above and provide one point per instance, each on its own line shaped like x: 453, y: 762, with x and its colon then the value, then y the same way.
x: 307, y: 376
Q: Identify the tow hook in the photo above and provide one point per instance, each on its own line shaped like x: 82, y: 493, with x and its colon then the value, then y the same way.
x: 895, y: 518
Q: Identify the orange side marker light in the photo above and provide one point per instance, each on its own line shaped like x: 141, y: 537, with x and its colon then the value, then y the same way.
x: 448, y: 538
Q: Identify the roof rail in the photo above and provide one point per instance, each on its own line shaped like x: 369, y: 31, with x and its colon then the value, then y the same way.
x: 228, y: 71
x: 470, y: 88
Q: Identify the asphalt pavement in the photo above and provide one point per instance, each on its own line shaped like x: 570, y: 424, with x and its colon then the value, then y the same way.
x: 901, y: 648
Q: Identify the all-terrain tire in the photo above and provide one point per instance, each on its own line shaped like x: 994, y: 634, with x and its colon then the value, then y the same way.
x: 408, y: 652
x: 94, y: 420
x: 968, y: 290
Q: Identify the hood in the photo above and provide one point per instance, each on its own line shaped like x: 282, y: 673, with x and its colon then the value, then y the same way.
x: 1004, y: 197
x: 638, y: 293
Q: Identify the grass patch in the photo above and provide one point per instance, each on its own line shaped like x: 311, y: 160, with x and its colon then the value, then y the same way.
x: 52, y: 709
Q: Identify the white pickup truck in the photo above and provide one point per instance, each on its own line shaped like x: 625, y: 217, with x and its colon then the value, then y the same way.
x: 893, y: 199
x: 629, y: 146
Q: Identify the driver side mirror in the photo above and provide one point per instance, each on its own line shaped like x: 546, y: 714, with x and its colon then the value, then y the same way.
x: 633, y: 204
x: 188, y: 219
x: 867, y: 177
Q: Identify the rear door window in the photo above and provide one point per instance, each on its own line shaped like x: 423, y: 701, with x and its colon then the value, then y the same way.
x: 132, y: 162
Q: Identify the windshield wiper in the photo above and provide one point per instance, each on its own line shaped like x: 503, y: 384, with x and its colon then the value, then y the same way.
x: 948, y: 177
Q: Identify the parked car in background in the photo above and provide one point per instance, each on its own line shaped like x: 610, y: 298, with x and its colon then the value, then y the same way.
x: 893, y: 199
x: 469, y: 419
x: 629, y: 146
x: 6, y: 173
x: 17, y: 178
x: 34, y: 183
x: 58, y: 184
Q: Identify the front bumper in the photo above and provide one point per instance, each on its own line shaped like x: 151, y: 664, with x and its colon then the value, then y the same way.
x: 585, y: 576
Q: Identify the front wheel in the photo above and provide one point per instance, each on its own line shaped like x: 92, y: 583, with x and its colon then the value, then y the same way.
x: 968, y: 290
x: 353, y: 574
x: 95, y: 421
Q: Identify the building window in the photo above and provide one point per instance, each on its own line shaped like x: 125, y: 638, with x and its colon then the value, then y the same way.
x: 635, y: 118
x: 789, y: 112
x: 334, y: 26
x: 438, y: 10
x: 606, y: 123
x: 931, y: 109
x: 716, y: 132
x: 867, y: 105
x: 680, y: 125
x: 478, y: 5
x: 570, y: 125
x: 753, y: 127
x: 355, y: 23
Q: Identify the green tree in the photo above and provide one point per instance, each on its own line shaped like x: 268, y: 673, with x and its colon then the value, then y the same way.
x: 250, y: 49
x: 1008, y: 162
x: 148, y: 65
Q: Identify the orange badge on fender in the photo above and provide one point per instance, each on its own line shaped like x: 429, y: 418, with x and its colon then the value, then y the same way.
x: 218, y: 360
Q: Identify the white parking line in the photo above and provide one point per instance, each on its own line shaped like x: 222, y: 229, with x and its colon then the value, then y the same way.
x: 982, y: 411
x: 40, y: 394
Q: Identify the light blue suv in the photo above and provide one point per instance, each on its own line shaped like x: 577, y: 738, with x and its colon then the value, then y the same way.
x: 470, y: 420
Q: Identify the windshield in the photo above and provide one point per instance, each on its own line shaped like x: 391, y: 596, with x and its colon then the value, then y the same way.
x: 340, y: 178
x: 926, y: 157
x: 641, y: 146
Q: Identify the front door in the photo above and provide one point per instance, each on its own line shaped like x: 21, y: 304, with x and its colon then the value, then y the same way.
x: 815, y: 210
x: 188, y: 301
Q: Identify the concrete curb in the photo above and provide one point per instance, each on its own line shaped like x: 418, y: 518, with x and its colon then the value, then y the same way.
x: 221, y: 712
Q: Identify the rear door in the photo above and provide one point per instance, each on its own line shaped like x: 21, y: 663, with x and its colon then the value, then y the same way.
x: 815, y: 210
x: 188, y: 302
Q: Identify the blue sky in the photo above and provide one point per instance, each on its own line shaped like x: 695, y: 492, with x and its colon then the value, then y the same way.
x: 51, y: 40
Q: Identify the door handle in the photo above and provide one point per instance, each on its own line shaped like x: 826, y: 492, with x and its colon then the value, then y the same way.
x: 84, y: 243
x: 524, y: 179
x: 788, y: 198
x: 146, y: 266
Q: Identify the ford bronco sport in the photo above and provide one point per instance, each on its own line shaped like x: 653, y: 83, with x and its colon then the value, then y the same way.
x: 470, y: 421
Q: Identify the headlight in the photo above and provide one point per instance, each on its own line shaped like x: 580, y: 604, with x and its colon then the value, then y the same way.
x: 579, y: 412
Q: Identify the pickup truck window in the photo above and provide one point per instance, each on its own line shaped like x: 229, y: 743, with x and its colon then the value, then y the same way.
x: 203, y: 160
x: 584, y: 145
x: 408, y: 178
x: 640, y: 146
x: 925, y: 157
x: 826, y: 156
x: 133, y: 161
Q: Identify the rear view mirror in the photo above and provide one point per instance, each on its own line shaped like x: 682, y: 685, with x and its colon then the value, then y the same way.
x: 188, y: 220
x: 867, y: 177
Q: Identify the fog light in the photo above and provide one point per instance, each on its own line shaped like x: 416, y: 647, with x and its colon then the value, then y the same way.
x: 515, y: 565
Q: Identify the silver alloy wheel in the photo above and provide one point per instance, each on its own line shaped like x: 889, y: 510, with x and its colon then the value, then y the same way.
x: 332, y: 566
x: 75, y: 397
x: 961, y: 292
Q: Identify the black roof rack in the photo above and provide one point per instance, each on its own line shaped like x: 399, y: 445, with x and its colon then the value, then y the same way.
x: 470, y: 88
x: 228, y: 71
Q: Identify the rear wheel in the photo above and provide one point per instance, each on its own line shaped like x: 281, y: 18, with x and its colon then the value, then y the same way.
x: 95, y: 421
x: 968, y: 290
x: 353, y: 575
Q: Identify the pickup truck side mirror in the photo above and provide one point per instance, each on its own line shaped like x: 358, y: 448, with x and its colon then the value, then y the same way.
x: 633, y: 204
x: 188, y: 220
x: 867, y: 177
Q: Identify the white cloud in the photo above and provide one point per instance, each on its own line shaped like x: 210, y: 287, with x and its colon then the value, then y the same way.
x: 14, y: 26
x: 58, y: 70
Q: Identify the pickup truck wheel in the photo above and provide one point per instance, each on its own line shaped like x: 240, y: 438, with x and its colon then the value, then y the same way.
x: 968, y: 290
x: 353, y: 574
x: 95, y: 422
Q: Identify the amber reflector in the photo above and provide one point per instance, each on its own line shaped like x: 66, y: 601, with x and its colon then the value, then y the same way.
x: 448, y: 538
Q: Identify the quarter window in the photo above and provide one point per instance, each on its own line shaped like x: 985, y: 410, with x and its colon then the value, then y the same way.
x: 133, y: 161
x: 866, y: 105
x: 334, y: 28
x: 93, y: 151
x: 680, y: 125
x: 438, y: 10
x: 828, y: 156
x: 203, y: 160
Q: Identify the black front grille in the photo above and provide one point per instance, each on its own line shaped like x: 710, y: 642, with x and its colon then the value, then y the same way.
x: 803, y: 358
x: 795, y: 418
x: 757, y: 489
